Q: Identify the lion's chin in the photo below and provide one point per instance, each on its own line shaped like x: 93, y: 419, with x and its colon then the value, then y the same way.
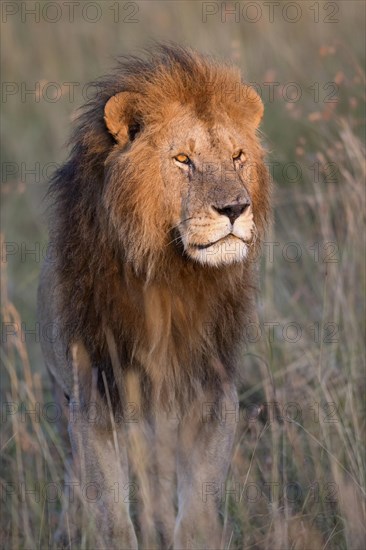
x: 228, y: 250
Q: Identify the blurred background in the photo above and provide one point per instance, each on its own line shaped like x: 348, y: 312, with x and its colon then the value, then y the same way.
x: 297, y: 476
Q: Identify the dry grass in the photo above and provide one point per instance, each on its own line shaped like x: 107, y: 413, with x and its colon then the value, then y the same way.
x: 309, y: 447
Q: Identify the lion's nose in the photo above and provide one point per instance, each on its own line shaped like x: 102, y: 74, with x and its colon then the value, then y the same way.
x: 233, y: 211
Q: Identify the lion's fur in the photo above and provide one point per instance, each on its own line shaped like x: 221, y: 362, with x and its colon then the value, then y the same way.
x: 177, y: 323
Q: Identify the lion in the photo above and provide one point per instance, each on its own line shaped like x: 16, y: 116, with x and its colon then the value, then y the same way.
x: 156, y: 221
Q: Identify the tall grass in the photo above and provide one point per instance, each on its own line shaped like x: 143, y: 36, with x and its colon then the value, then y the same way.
x: 297, y: 474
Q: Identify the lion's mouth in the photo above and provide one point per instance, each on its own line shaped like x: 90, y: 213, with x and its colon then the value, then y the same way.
x: 208, y: 245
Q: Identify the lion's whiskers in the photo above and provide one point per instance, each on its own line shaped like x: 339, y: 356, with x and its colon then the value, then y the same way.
x: 179, y: 237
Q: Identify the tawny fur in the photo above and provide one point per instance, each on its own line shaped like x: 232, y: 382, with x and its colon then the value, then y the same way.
x: 150, y: 288
x: 119, y: 265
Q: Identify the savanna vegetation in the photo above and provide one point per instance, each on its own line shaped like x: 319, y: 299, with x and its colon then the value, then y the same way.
x: 297, y: 475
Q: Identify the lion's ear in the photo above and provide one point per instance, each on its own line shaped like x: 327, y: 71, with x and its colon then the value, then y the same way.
x: 121, y: 117
x: 253, y: 105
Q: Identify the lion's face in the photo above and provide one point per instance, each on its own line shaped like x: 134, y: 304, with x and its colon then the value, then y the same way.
x: 206, y: 174
x: 190, y: 181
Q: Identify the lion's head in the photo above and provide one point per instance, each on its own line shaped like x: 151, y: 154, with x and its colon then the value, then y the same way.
x: 185, y: 172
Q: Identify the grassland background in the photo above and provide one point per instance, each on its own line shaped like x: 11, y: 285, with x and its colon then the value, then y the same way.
x: 319, y: 444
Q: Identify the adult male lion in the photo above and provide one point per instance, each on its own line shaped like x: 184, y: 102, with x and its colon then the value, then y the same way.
x: 157, y: 216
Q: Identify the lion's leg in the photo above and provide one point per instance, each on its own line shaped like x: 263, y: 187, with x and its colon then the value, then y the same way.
x: 165, y: 443
x: 152, y: 459
x: 204, y: 454
x: 68, y: 529
x: 100, y: 458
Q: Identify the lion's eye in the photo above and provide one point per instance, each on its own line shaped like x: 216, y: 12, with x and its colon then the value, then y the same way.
x: 182, y: 158
x: 239, y: 156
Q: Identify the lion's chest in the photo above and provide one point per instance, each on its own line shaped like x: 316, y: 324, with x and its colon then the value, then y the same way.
x: 175, y: 333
